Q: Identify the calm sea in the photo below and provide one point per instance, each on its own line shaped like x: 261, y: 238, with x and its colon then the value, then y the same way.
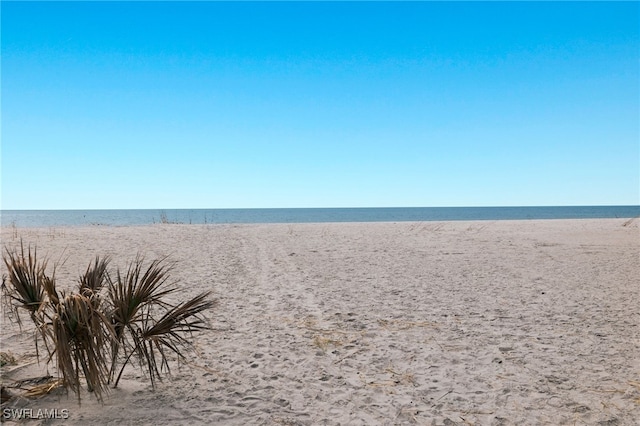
x: 47, y: 218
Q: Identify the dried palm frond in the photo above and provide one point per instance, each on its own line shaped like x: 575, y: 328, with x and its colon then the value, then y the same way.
x: 132, y: 297
x: 49, y: 285
x: 26, y: 288
x: 25, y: 279
x: 43, y: 388
x: 168, y: 332
x: 128, y: 294
x: 31, y: 381
x: 95, y: 276
x: 135, y: 319
x: 80, y: 333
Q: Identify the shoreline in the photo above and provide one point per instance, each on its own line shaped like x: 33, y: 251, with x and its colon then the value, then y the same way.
x: 34, y: 218
x: 490, y: 322
x: 623, y: 220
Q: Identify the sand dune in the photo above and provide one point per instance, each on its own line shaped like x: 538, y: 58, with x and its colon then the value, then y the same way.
x: 487, y: 323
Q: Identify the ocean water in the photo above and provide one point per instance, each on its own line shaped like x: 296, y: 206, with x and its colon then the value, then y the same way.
x: 49, y: 218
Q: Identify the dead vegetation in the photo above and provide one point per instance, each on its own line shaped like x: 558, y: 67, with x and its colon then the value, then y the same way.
x: 107, y: 321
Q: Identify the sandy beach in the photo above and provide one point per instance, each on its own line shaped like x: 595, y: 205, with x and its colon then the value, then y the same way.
x: 431, y: 323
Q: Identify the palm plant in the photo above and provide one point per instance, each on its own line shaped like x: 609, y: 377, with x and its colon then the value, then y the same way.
x: 26, y: 279
x: 95, y: 277
x: 86, y: 331
x: 155, y: 335
x: 80, y: 331
x: 27, y: 282
x: 137, y: 298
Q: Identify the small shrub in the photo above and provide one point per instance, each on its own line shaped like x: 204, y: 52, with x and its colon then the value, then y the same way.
x: 97, y: 329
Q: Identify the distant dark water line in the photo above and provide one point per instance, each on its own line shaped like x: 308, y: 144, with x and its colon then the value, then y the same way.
x: 48, y: 218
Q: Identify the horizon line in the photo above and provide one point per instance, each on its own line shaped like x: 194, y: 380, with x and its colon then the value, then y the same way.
x: 322, y: 208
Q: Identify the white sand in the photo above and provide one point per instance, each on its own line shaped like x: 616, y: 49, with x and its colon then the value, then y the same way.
x: 485, y: 323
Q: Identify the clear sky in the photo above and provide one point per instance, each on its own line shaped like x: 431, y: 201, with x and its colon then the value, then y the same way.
x: 240, y: 105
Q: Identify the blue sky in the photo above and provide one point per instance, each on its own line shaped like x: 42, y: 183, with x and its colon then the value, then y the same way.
x: 322, y: 104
